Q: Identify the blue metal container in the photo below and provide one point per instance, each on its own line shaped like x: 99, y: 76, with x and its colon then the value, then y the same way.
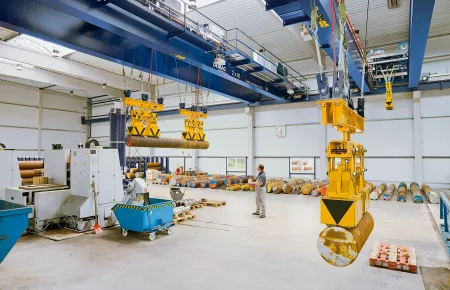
x: 151, y: 218
x: 13, y: 222
x: 445, y: 216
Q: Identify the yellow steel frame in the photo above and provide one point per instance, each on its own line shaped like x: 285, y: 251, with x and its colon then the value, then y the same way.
x: 144, y: 122
x: 193, y: 127
x: 347, y: 197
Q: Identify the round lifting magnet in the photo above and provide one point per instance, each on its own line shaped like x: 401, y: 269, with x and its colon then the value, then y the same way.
x: 340, y: 246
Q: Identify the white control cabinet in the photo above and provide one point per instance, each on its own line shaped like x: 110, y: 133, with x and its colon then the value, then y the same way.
x: 94, y: 166
x: 9, y: 171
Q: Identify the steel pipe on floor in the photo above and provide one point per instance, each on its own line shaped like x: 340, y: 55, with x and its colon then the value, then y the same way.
x: 141, y: 141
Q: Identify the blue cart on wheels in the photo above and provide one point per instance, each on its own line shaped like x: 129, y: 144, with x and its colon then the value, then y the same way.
x: 141, y: 218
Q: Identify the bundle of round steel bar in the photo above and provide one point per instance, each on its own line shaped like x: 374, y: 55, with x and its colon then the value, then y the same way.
x: 150, y: 142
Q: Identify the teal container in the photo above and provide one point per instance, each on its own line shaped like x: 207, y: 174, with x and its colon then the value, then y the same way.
x: 151, y: 218
x: 13, y: 222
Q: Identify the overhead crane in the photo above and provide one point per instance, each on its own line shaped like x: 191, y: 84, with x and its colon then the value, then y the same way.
x: 129, y: 31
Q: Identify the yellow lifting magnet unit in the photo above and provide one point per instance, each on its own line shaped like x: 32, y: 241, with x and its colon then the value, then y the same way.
x: 389, y: 103
x: 144, y: 122
x: 344, y: 208
x: 193, y: 127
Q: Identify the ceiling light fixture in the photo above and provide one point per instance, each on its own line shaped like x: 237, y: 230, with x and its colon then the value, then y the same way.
x: 19, y: 67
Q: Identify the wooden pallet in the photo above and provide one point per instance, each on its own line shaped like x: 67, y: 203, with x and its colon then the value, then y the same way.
x: 394, y: 257
x: 213, y: 203
x: 183, y: 217
x: 196, y: 206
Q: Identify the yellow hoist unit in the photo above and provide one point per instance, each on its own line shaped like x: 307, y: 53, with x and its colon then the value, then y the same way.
x: 389, y: 103
x: 144, y: 122
x: 193, y: 126
x: 344, y: 208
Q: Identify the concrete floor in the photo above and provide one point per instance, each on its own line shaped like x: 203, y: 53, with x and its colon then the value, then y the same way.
x: 226, y: 248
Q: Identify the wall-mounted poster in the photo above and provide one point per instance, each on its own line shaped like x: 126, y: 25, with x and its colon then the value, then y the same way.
x: 302, y: 165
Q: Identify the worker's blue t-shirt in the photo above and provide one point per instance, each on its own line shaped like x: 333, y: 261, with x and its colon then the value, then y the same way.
x: 261, y: 178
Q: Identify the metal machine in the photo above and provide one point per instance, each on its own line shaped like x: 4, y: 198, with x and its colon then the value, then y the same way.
x: 87, y: 167
x: 9, y: 171
x: 70, y: 199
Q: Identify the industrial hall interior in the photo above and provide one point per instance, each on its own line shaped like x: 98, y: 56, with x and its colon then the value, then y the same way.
x: 224, y: 144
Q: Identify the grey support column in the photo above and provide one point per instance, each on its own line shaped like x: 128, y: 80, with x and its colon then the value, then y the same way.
x: 250, y: 112
x: 418, y: 164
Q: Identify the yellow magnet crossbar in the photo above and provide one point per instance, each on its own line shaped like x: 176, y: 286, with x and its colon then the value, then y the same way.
x: 194, y: 114
x: 337, y: 113
x: 143, y: 104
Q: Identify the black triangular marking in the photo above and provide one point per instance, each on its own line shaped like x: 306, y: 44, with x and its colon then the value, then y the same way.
x: 337, y: 208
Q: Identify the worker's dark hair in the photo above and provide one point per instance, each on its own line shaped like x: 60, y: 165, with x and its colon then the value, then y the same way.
x: 260, y: 166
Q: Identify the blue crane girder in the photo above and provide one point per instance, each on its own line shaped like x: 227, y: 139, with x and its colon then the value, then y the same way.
x: 123, y: 32
x: 298, y: 11
x: 421, y: 12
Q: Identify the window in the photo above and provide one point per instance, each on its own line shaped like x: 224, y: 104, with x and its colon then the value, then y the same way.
x: 236, y: 164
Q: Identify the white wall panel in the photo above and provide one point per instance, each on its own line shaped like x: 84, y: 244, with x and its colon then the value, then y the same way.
x: 52, y: 119
x: 69, y: 140
x: 390, y: 169
x: 435, y: 140
x: 24, y: 153
x: 383, y: 138
x: 15, y: 94
x: 171, y: 124
x: 403, y: 109
x: 18, y: 138
x: 287, y: 114
x: 226, y: 119
x: 226, y: 143
x: 101, y: 110
x: 100, y: 130
x: 20, y: 116
x: 300, y: 140
x: 274, y: 167
x: 436, y: 170
x: 62, y: 102
x: 435, y: 103
x: 212, y: 165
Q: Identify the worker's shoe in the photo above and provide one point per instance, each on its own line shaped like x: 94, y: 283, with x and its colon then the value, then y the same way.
x: 255, y: 213
x: 262, y: 216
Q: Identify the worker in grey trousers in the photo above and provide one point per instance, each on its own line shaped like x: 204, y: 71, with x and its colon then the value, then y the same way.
x: 260, y: 189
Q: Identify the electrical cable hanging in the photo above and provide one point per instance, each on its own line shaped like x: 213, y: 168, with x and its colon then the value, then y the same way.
x: 178, y: 83
x: 332, y: 34
x: 364, y: 55
x: 150, y: 75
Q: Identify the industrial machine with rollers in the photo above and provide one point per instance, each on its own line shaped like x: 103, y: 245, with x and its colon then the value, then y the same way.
x: 74, y: 204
